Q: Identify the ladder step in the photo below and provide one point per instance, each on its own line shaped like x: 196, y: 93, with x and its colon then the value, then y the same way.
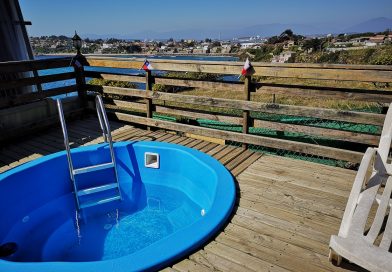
x: 93, y: 168
x: 98, y: 202
x: 97, y: 189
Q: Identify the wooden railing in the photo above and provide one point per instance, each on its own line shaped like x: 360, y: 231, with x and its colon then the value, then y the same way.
x: 9, y: 99
x: 24, y: 112
x: 150, y: 102
x: 124, y: 102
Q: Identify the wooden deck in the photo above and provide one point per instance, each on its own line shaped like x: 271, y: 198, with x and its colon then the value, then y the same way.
x: 286, y: 209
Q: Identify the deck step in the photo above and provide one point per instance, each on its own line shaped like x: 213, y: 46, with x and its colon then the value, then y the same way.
x: 99, y: 202
x: 97, y: 189
x: 93, y: 168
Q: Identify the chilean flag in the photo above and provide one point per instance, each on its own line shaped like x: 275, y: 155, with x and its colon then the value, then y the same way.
x: 147, y: 66
x: 247, y: 69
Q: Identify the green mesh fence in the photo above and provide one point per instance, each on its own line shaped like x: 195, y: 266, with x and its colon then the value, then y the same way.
x: 292, y: 136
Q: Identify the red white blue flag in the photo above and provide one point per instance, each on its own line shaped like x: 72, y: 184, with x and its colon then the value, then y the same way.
x: 247, y: 69
x: 147, y: 66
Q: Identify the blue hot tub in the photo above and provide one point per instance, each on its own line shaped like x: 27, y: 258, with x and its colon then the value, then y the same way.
x: 174, y: 199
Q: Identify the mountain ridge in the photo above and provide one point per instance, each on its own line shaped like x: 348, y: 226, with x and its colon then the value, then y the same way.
x: 265, y: 30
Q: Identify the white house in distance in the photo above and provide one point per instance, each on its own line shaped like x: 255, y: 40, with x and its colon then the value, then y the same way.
x: 106, y: 45
x: 360, y: 41
x: 246, y: 45
x: 376, y: 40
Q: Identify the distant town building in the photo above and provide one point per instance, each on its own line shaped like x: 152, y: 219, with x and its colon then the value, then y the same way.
x: 283, y: 57
x: 246, y: 45
x: 378, y: 39
x: 288, y: 44
x: 106, y: 45
x: 206, y: 49
x: 359, y: 41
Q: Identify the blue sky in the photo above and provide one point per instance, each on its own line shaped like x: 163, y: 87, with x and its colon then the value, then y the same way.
x: 127, y: 17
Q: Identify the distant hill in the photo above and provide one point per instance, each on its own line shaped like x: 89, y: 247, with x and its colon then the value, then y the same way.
x: 374, y: 25
x: 264, y: 30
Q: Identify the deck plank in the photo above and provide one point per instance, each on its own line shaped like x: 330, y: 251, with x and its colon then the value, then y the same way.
x: 188, y: 265
x: 285, y: 211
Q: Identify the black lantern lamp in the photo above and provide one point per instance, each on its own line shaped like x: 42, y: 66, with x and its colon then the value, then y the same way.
x: 77, y: 42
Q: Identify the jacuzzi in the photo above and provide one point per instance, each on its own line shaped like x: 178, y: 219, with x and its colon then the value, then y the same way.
x: 170, y: 206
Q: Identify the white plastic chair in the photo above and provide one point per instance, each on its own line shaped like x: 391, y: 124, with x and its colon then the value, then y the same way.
x: 354, y: 242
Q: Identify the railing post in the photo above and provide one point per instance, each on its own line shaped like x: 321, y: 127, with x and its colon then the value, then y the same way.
x: 245, y: 114
x: 148, y: 100
x: 80, y: 79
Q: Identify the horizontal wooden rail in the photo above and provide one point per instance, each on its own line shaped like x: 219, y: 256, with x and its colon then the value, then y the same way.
x: 321, y: 72
x: 117, y: 91
x: 27, y: 81
x: 135, y: 106
x: 31, y: 97
x: 300, y: 147
x: 171, y: 81
x: 335, y: 134
x: 326, y: 92
x: 265, y: 64
x: 262, y: 88
x: 115, y: 76
x: 327, y: 114
x: 318, y: 132
x: 193, y: 114
x: 31, y: 65
x: 189, y: 113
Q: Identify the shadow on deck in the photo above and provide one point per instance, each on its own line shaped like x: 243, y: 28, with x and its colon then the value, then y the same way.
x: 286, y: 209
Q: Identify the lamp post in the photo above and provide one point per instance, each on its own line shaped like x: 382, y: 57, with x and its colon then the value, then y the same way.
x: 78, y: 62
x: 77, y: 43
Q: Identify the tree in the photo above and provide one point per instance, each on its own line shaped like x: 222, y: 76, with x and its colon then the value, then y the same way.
x: 63, y: 38
x: 134, y: 48
x: 314, y: 44
x: 287, y: 33
x: 278, y: 49
x: 273, y: 40
x: 208, y: 40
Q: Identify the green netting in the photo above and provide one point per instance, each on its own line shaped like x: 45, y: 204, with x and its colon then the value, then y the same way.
x: 316, y: 122
x: 292, y: 136
x: 164, y: 117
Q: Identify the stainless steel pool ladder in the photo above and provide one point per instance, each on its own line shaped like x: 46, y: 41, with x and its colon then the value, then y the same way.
x: 104, y: 123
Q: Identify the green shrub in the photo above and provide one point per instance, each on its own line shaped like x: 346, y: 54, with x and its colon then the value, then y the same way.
x: 194, y: 75
x: 112, y: 83
x: 383, y: 56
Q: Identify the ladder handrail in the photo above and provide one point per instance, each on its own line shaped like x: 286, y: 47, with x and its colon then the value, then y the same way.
x: 67, y: 148
x: 103, y: 121
x: 108, y: 135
